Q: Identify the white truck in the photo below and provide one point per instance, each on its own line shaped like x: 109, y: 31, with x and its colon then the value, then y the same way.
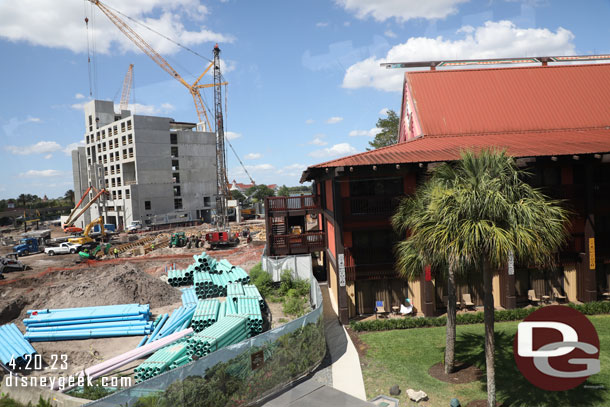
x: 136, y: 226
x: 62, y: 248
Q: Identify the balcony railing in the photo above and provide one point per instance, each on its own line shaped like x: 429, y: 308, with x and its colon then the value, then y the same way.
x: 370, y: 205
x: 292, y: 203
x: 370, y: 265
x: 296, y: 244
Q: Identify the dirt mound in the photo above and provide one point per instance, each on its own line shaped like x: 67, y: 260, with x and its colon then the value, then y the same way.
x: 109, y: 285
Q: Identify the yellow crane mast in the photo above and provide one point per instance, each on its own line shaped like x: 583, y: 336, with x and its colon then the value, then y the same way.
x: 159, y: 60
x: 126, y: 88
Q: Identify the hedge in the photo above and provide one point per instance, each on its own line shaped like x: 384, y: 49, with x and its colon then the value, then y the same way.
x: 590, y: 308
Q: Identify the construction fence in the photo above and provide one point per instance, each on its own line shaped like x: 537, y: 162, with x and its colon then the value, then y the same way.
x: 238, y: 375
x: 301, y: 266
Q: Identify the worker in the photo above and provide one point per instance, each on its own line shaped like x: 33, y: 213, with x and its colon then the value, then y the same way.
x: 116, y: 253
x: 152, y: 246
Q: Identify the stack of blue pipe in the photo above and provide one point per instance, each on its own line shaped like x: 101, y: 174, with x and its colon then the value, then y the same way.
x: 13, y: 345
x: 87, y: 322
x: 179, y: 320
x: 189, y: 296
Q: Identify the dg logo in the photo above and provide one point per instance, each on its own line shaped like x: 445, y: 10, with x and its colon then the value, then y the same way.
x: 556, y: 348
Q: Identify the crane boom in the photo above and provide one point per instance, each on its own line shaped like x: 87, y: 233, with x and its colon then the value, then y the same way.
x: 158, y: 59
x: 126, y: 88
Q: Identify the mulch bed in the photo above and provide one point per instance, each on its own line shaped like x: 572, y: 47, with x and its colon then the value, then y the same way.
x: 361, y: 347
x: 463, y: 373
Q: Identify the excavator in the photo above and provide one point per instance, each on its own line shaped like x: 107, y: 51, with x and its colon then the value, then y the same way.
x: 68, y: 226
x: 84, y: 239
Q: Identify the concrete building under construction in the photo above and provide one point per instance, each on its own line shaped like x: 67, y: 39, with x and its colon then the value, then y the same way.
x: 156, y: 170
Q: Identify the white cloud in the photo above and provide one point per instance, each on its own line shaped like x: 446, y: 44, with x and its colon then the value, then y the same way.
x: 309, y: 121
x: 334, y: 120
x: 365, y: 133
x: 384, y: 111
x: 42, y: 147
x: 292, y: 170
x: 33, y: 120
x: 322, y: 24
x: 79, y: 96
x: 231, y: 135
x: 62, y: 25
x: 317, y: 140
x: 260, y: 167
x: 43, y: 173
x: 48, y: 156
x: 72, y: 146
x: 401, y: 10
x: 253, y: 156
x: 334, y: 151
x: 390, y: 33
x: 491, y: 40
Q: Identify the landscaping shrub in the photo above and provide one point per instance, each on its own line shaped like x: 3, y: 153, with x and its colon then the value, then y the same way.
x: 590, y: 308
x: 261, y: 279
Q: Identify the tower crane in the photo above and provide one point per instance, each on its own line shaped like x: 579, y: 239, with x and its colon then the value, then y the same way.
x: 159, y: 60
x: 126, y: 88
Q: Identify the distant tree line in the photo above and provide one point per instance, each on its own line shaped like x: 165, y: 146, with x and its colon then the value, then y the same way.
x: 30, y: 201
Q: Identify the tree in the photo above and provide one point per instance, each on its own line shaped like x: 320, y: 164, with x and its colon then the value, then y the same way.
x: 69, y: 195
x: 236, y: 194
x: 259, y: 192
x: 283, y: 191
x: 389, y: 131
x: 480, y: 212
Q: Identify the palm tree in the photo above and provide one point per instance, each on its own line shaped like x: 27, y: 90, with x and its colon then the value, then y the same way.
x: 480, y: 210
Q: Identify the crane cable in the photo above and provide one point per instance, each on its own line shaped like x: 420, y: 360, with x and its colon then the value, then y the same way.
x: 88, y: 47
x: 231, y: 145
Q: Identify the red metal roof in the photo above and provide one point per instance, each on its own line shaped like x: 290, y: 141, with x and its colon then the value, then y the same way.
x: 474, y: 101
x: 529, y: 144
x: 534, y: 111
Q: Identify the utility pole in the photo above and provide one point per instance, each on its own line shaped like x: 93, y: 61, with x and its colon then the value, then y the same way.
x: 221, y: 169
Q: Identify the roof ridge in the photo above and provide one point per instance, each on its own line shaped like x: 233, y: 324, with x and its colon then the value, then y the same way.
x: 504, y: 68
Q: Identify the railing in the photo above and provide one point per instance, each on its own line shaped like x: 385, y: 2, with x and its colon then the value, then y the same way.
x: 369, y: 267
x: 290, y: 203
x: 130, y: 182
x: 297, y: 244
x: 370, y: 205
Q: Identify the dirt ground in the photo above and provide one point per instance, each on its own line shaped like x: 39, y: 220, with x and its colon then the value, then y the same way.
x: 63, y: 281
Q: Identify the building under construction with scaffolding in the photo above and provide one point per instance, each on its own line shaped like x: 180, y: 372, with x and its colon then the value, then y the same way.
x: 156, y: 170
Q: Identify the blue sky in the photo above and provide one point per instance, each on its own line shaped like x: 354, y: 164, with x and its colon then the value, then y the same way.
x: 305, y: 82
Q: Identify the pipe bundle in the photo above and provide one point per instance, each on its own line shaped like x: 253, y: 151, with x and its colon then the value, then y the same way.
x: 234, y: 289
x: 206, y: 314
x: 88, y: 322
x: 13, y: 345
x: 177, y: 278
x: 251, y: 291
x: 204, y: 288
x: 229, y: 330
x: 205, y: 263
x: 189, y: 296
x: 178, y: 321
x: 164, y: 359
x: 249, y: 307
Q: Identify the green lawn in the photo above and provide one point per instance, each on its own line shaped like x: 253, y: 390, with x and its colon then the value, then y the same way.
x: 403, y: 357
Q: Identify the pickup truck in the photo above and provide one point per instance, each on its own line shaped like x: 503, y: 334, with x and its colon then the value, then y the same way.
x: 63, y: 248
x: 136, y: 226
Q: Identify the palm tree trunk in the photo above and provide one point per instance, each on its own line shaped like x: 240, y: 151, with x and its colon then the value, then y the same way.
x: 451, y: 323
x: 489, y: 335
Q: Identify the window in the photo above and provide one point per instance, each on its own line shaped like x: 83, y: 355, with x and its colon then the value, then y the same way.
x: 176, y: 191
x: 112, y: 169
x: 116, y: 156
x: 123, y: 127
x: 128, y: 124
x: 206, y: 201
x: 113, y: 194
x: 124, y: 140
x: 176, y: 177
x: 120, y: 194
x: 118, y: 169
x: 174, y: 152
x: 113, y: 182
x: 147, y: 205
x: 178, y: 203
x: 103, y: 134
x: 175, y: 165
x: 173, y: 138
x: 130, y: 139
x: 87, y: 139
x: 131, y: 153
x: 125, y: 154
x: 115, y: 130
x: 88, y: 151
x: 126, y: 194
x: 116, y: 143
x: 118, y: 182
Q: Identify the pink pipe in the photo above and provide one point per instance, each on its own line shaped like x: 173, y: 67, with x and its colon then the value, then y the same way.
x: 114, y: 363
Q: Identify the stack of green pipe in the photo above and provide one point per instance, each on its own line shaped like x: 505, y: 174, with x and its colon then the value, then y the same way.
x: 204, y: 288
x: 240, y: 275
x: 205, y: 315
x: 231, y: 305
x: 220, y: 281
x: 178, y: 278
x: 235, y: 289
x: 228, y: 331
x: 162, y: 360
x: 251, y: 291
x: 249, y: 307
x: 204, y: 262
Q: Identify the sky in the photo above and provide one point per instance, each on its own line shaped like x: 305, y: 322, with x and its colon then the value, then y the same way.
x: 305, y: 85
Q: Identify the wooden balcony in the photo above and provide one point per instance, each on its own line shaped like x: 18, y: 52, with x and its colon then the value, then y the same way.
x: 281, y: 245
x: 303, y: 204
x: 369, y: 266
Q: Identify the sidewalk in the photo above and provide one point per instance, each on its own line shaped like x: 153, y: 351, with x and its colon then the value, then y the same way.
x: 338, y: 381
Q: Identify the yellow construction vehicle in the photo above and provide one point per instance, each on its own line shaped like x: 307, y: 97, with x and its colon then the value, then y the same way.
x: 84, y: 239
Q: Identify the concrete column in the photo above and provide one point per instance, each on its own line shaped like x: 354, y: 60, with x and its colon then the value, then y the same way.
x: 589, y: 268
